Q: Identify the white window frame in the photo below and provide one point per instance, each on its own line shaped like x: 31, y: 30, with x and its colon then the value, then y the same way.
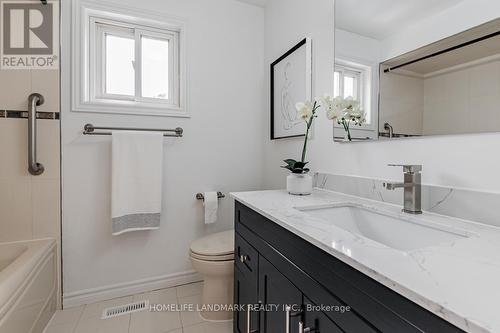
x: 358, y: 74
x: 367, y: 89
x: 91, y: 22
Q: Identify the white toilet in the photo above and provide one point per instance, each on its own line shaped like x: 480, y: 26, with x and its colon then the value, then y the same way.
x: 213, y: 257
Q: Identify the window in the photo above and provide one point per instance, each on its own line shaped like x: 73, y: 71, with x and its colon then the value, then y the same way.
x: 347, y: 82
x: 354, y: 80
x: 128, y: 63
x: 135, y: 64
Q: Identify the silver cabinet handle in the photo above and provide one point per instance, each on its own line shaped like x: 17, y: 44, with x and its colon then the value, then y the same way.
x: 288, y: 308
x: 243, y: 258
x: 303, y: 329
x: 288, y: 315
x: 34, y: 167
x: 249, y: 319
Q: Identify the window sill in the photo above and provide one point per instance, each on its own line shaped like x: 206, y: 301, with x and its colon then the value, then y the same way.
x: 132, y: 108
x: 370, y: 127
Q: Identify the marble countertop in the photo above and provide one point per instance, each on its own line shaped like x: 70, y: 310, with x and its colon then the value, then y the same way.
x: 458, y: 281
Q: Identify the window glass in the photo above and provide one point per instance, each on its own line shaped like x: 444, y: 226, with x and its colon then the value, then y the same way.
x: 336, y: 84
x: 119, y: 63
x: 155, y: 68
x: 349, y: 87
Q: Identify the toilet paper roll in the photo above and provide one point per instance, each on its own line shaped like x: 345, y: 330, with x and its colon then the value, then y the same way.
x: 211, y: 204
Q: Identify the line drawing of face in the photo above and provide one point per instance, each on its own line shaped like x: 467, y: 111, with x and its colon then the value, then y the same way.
x: 289, y: 114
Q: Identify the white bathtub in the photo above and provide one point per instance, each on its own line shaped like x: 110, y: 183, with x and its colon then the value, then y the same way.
x: 28, y: 285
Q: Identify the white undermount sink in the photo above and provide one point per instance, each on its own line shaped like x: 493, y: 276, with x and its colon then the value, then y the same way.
x: 395, y: 231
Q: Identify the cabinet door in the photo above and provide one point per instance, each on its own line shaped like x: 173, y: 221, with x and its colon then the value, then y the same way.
x: 245, y: 292
x: 281, y: 299
x: 317, y: 322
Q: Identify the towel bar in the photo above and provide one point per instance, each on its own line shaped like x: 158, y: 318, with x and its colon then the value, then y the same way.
x: 200, y: 196
x: 89, y: 129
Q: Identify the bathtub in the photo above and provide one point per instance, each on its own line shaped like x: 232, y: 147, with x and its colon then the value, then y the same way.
x: 28, y: 285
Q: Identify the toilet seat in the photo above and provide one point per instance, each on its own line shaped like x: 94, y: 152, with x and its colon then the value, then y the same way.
x: 225, y: 257
x: 215, y: 247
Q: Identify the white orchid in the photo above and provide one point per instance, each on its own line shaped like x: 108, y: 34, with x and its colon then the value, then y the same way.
x: 333, y: 107
x: 344, y: 111
x: 305, y: 110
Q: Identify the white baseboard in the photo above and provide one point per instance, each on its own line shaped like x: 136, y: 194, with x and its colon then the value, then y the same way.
x: 99, y: 294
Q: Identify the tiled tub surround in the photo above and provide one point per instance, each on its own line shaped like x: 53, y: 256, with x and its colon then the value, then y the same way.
x: 461, y: 203
x: 29, y: 205
x: 457, y: 281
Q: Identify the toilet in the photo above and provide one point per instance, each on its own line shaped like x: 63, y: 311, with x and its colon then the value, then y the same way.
x: 213, y: 257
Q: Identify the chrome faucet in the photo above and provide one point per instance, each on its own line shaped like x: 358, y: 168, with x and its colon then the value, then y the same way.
x: 412, y: 188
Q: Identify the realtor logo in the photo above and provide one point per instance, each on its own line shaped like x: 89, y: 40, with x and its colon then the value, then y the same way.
x: 29, y: 32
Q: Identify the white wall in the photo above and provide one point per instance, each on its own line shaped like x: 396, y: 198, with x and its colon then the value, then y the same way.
x: 221, y: 150
x: 356, y: 47
x: 287, y: 22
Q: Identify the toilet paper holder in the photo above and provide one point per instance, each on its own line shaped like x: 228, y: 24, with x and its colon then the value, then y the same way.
x: 200, y: 196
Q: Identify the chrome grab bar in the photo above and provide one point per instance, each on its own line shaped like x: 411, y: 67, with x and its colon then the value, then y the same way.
x: 34, y: 167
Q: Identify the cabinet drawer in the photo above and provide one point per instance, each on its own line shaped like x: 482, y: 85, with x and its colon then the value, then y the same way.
x: 246, y: 257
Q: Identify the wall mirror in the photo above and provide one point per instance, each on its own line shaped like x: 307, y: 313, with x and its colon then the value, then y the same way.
x: 449, y: 87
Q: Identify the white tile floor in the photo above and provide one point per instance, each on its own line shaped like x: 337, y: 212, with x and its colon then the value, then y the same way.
x: 87, y: 319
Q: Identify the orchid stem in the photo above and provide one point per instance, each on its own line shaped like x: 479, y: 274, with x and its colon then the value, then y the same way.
x: 308, y: 126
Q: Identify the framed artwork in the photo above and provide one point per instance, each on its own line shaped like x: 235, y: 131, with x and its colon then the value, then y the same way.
x: 291, y: 82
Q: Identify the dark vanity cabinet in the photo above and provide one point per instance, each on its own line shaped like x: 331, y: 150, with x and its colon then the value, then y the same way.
x: 295, y: 287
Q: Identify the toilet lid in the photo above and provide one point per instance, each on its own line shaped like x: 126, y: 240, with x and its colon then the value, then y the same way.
x: 218, y: 244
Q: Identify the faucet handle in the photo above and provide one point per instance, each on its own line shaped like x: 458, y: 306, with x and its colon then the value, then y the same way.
x: 409, y: 168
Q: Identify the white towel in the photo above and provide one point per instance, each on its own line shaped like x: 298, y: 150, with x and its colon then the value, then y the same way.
x: 211, y: 203
x: 136, y: 185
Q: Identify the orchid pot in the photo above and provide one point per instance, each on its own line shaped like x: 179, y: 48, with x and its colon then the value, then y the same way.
x: 299, y: 184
